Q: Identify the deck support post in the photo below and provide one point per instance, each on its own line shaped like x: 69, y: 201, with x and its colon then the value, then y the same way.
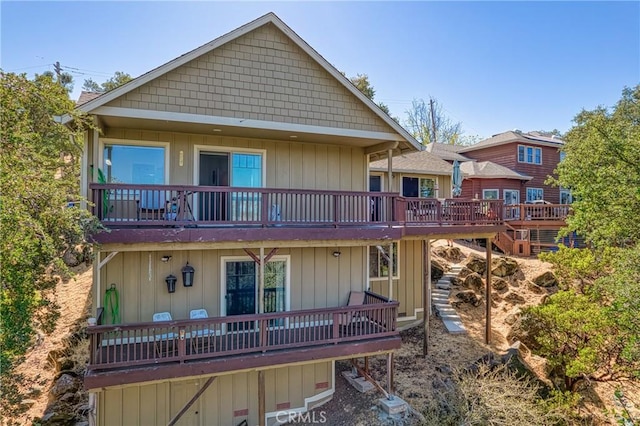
x: 426, y: 297
x: 366, y: 364
x: 390, y: 375
x: 261, y: 406
x: 261, y: 283
x: 487, y: 295
x: 390, y: 270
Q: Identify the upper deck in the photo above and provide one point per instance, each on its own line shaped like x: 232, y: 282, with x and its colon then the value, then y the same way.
x: 183, y: 213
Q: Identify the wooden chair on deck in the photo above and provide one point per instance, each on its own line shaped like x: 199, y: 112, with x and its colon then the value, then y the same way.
x: 347, y: 320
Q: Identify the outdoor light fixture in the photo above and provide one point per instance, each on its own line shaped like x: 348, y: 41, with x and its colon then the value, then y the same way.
x: 171, y: 283
x: 187, y: 275
x: 336, y: 253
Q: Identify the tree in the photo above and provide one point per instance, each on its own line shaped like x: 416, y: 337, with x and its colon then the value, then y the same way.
x: 63, y: 78
x: 428, y: 123
x: 361, y: 81
x: 602, y: 169
x: 40, y: 174
x: 118, y: 79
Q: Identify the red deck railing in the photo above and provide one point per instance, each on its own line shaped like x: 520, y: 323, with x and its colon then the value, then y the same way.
x: 179, y: 341
x: 555, y: 212
x: 118, y: 205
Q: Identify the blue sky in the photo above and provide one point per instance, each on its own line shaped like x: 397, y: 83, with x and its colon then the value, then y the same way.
x: 493, y: 66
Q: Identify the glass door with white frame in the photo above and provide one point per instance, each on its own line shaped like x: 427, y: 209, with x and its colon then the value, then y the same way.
x: 511, y: 203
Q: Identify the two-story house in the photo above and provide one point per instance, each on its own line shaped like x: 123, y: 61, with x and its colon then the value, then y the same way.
x: 242, y: 234
x: 514, y: 166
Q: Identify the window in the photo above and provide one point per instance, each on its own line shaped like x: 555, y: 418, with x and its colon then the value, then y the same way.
x: 563, y: 155
x: 565, y: 196
x: 534, y: 194
x: 378, y: 264
x: 490, y: 194
x: 529, y: 154
x: 134, y: 164
x: 418, y: 187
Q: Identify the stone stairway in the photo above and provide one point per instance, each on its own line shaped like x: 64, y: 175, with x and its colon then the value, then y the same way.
x: 440, y: 300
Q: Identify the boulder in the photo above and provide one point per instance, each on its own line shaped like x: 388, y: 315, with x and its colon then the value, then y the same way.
x: 457, y: 281
x: 464, y: 272
x: 525, y: 329
x: 452, y: 254
x: 476, y: 263
x: 547, y: 279
x: 66, y: 383
x: 511, y: 319
x: 504, y: 266
x: 469, y: 296
x: 534, y: 288
x: 514, y: 298
x: 438, y: 268
x: 499, y: 284
x: 474, y: 281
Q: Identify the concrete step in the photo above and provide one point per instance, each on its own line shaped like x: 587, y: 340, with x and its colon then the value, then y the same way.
x: 443, y: 286
x: 360, y: 383
x: 454, y: 327
x: 440, y: 292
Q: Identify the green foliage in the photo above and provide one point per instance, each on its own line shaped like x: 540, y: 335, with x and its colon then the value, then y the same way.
x: 602, y: 168
x: 40, y: 176
x: 572, y: 264
x: 118, y: 79
x: 575, y: 335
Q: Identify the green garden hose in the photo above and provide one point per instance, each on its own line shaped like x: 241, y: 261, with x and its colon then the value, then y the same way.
x: 112, y: 304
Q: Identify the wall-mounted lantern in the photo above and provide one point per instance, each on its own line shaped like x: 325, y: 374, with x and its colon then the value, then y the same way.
x: 171, y: 283
x: 187, y: 275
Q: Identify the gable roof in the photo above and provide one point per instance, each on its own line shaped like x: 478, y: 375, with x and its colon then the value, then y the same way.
x: 489, y: 170
x: 86, y: 97
x: 409, y: 141
x: 446, y: 151
x: 422, y: 162
x: 510, y: 136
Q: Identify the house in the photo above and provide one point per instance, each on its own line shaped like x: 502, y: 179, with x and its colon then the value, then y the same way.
x: 514, y: 166
x: 243, y: 239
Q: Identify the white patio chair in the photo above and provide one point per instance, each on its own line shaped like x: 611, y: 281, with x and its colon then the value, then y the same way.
x: 163, y: 337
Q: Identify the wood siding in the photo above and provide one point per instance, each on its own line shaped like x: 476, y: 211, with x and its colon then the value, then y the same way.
x: 262, y: 75
x: 507, y: 155
x: 288, y: 164
x: 407, y: 289
x: 229, y: 400
x: 318, y: 280
x: 474, y: 187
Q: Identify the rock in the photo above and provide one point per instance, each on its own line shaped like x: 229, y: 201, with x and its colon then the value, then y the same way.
x: 66, y: 383
x: 495, y: 297
x: 476, y: 263
x: 534, y: 288
x: 469, y: 296
x: 457, y: 281
x: 452, y: 254
x: 499, y: 284
x: 474, y: 281
x: 548, y: 279
x: 438, y: 268
x: 72, y: 257
x: 525, y: 329
x: 464, y: 272
x: 514, y: 298
x: 511, y: 319
x: 504, y: 266
x: 444, y: 369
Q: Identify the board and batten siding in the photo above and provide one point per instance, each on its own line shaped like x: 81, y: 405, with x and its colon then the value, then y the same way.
x: 443, y: 182
x: 408, y: 288
x: 292, y: 165
x: 318, y: 280
x: 262, y: 75
x: 229, y: 399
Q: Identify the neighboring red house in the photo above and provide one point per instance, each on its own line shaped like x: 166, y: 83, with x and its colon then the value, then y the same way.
x: 514, y: 166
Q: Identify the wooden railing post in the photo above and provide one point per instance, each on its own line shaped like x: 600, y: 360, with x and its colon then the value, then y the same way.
x: 266, y: 211
x: 336, y: 210
x: 263, y: 335
x: 336, y: 326
x: 182, y: 347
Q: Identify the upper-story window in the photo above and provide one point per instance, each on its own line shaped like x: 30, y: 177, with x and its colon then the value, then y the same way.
x: 534, y: 194
x: 529, y: 154
x: 418, y: 187
x: 134, y: 163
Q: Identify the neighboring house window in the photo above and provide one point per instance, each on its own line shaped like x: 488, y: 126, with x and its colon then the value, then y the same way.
x: 565, y: 196
x: 378, y: 265
x: 534, y: 194
x: 563, y: 155
x: 418, y: 187
x: 490, y: 194
x: 529, y: 154
x: 134, y: 164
